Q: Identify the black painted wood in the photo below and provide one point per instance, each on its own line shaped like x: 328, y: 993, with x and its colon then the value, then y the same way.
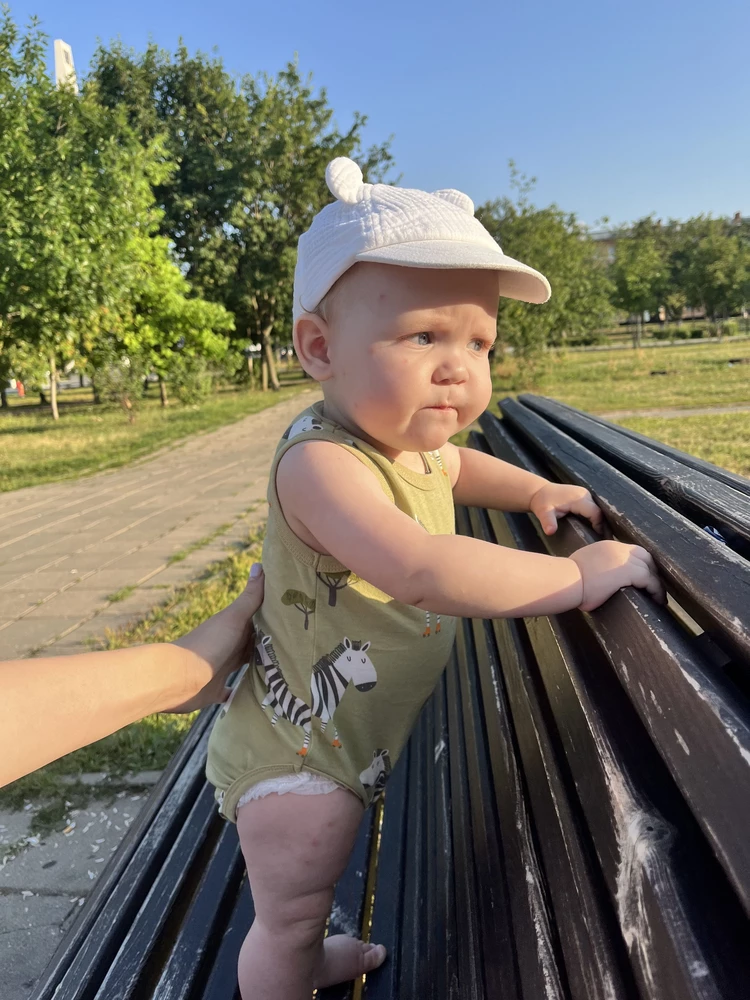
x: 94, y: 939
x: 711, y: 579
x: 662, y: 914
x: 739, y: 483
x: 386, y: 925
x: 705, y: 500
x: 696, y: 719
x: 349, y: 900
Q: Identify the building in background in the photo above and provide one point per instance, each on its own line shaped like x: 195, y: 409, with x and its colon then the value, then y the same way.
x: 65, y: 71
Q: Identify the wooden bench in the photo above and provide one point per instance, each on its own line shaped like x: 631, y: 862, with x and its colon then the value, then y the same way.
x: 571, y: 818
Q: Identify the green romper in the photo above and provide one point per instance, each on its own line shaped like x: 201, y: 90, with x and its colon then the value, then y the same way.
x: 341, y: 670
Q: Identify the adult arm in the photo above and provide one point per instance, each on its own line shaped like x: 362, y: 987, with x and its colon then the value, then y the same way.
x: 50, y: 706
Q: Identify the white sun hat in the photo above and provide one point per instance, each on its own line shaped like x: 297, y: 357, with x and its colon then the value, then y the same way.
x: 403, y: 226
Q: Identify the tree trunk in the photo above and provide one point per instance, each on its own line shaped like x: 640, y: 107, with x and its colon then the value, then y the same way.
x: 264, y: 373
x: 163, y: 391
x: 269, y: 358
x: 53, y: 387
x: 4, y: 399
x: 80, y: 380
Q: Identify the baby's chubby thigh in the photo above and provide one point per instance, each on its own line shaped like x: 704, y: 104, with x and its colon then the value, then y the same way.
x: 296, y: 847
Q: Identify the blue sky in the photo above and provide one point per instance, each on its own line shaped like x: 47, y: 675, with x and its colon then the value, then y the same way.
x: 619, y: 109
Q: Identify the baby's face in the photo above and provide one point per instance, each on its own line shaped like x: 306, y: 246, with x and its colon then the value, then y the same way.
x: 408, y: 350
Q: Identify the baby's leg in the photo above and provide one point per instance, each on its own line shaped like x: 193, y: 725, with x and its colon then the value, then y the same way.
x: 296, y: 847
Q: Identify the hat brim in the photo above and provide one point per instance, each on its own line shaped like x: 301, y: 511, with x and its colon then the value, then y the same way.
x: 517, y: 280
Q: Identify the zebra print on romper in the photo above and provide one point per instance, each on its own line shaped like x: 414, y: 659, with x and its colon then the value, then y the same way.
x: 279, y: 697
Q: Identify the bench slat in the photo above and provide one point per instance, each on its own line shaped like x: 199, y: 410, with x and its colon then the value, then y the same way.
x: 661, y: 912
x: 123, y: 976
x: 695, y: 719
x: 388, y: 903
x: 468, y: 914
x: 222, y: 981
x: 349, y: 899
x: 703, y: 499
x: 495, y: 941
x: 94, y: 939
x: 197, y: 941
x: 535, y: 943
x: 739, y: 483
x: 583, y: 921
x: 709, y: 576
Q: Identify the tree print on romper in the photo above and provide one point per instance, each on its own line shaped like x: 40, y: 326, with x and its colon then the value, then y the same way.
x: 335, y: 582
x: 376, y: 775
x: 301, y: 602
x: 347, y: 664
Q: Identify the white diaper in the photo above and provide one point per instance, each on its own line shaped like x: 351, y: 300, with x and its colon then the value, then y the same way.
x: 301, y: 783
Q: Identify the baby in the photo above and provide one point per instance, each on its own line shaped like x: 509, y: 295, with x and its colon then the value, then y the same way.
x: 395, y: 301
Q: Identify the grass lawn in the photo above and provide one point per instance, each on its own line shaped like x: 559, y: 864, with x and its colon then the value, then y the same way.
x: 148, y: 744
x: 599, y: 381
x: 35, y: 449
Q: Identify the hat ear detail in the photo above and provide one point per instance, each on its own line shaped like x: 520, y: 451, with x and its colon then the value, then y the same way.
x: 457, y: 198
x: 345, y: 181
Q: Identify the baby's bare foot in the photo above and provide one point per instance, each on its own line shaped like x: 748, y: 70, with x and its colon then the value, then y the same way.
x: 346, y: 958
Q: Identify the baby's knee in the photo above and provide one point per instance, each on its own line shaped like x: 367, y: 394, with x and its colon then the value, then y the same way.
x: 302, y: 918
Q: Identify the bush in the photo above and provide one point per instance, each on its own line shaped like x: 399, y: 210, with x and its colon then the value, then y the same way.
x: 191, y: 379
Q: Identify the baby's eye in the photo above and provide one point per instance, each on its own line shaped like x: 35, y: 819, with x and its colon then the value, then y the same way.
x: 423, y: 339
x: 477, y: 345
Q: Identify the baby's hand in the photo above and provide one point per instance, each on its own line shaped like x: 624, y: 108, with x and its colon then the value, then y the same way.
x: 607, y: 566
x: 554, y: 500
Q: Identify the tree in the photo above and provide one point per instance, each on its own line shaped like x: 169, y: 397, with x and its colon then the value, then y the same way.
x: 250, y: 172
x: 640, y: 271
x: 171, y: 331
x: 334, y: 582
x: 301, y: 602
x: 717, y: 269
x: 555, y: 243
x: 75, y: 182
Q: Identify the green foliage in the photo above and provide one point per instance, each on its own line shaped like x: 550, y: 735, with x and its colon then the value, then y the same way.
x: 640, y: 270
x: 555, y: 243
x: 251, y: 158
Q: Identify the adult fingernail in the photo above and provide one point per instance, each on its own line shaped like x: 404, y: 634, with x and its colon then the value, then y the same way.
x: 255, y: 571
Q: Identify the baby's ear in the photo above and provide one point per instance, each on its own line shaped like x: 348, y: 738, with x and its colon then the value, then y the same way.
x: 457, y: 198
x: 311, y: 346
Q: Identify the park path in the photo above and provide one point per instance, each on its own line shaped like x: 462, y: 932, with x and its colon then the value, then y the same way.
x: 65, y: 548
x: 674, y: 412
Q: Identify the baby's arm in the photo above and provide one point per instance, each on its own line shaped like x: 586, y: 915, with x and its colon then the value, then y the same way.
x: 336, y: 505
x: 480, y: 480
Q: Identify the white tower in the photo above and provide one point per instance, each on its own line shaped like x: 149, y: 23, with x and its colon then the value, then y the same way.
x: 65, y: 71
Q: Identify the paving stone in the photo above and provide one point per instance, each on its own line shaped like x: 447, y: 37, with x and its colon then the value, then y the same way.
x: 127, y: 522
x: 44, y: 881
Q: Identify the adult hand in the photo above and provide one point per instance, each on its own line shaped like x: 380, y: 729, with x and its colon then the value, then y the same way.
x: 222, y: 644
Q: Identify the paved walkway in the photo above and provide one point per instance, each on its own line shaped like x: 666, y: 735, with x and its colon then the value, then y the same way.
x: 66, y: 548
x: 669, y: 413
